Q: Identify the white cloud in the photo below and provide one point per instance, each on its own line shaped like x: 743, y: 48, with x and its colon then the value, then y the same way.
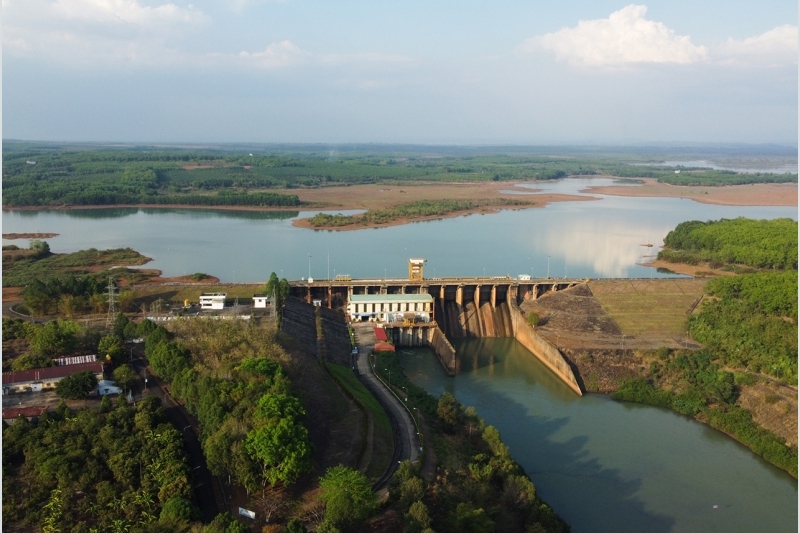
x: 625, y: 37
x: 126, y: 12
x: 98, y: 32
x: 280, y: 54
x: 777, y: 46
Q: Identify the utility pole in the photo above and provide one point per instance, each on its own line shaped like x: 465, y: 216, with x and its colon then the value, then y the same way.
x: 112, y: 303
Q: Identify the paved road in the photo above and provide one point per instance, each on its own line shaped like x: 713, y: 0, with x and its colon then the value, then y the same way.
x: 406, y: 439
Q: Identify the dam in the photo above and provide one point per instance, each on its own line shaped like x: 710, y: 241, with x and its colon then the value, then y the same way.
x: 463, y: 307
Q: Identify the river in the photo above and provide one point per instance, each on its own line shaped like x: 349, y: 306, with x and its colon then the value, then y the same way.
x: 609, y: 466
x: 603, y: 465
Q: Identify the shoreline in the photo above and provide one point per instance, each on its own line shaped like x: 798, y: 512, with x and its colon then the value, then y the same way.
x: 304, y: 223
x: 754, y: 194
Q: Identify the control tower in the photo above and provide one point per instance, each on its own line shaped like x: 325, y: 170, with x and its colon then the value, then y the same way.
x: 415, y: 268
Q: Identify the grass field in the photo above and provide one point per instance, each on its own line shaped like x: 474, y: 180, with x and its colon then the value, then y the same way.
x: 382, y: 442
x: 648, y: 307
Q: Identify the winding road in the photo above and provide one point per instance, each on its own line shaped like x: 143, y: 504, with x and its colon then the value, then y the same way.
x: 406, y: 438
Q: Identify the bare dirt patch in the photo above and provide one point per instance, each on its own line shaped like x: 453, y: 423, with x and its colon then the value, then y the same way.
x: 774, y: 406
x: 698, y: 271
x: 752, y: 194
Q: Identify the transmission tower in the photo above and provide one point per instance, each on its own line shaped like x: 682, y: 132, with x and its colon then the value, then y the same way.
x: 112, y: 303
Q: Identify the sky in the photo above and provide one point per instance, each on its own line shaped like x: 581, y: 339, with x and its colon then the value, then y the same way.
x: 418, y: 72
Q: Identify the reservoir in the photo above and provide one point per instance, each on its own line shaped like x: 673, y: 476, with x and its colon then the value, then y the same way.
x: 600, y: 238
x: 603, y: 465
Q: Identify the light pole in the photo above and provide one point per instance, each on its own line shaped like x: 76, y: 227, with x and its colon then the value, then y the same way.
x: 309, y: 266
x: 548, y: 267
x: 329, y: 266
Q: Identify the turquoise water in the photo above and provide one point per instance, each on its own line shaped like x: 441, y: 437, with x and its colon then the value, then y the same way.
x: 607, y: 466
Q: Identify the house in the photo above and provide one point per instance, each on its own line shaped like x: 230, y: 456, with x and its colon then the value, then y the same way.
x: 39, y: 379
x: 390, y: 307
x: 212, y: 300
x: 32, y: 413
x: 261, y: 301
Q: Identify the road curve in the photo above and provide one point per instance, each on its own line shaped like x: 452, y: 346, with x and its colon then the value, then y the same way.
x: 406, y: 438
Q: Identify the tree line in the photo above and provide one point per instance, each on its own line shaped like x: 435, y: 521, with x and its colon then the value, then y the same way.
x: 422, y: 208
x: 766, y: 244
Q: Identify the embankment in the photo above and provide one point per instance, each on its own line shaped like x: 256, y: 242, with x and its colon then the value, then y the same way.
x: 542, y: 349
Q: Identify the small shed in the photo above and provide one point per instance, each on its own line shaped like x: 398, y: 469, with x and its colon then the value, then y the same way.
x: 106, y: 387
x: 380, y: 334
x: 260, y: 301
x: 383, y: 347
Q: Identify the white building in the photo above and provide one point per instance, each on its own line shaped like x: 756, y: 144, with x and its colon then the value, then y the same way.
x: 390, y: 307
x: 105, y: 387
x: 212, y: 300
x: 261, y: 301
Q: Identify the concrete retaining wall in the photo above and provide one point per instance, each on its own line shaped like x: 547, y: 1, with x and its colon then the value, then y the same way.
x: 428, y: 335
x: 542, y: 349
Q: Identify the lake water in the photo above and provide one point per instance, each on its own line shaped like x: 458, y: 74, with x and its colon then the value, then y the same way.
x: 599, y: 238
x: 603, y: 465
x: 609, y: 466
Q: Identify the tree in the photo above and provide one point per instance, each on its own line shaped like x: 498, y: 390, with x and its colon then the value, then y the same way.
x: 179, y: 509
x: 76, y: 386
x: 110, y: 348
x: 105, y: 404
x: 120, y: 322
x: 124, y: 375
x: 282, y: 448
x: 449, y: 410
x: 295, y: 526
x: 348, y: 497
x: 56, y: 338
x: 533, y: 319
x: 417, y: 518
x: 168, y: 358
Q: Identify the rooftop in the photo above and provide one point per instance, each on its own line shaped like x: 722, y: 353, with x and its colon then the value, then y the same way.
x: 369, y: 298
x: 51, y: 372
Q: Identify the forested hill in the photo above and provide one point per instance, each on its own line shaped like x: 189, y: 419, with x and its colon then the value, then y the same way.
x: 763, y: 244
x: 49, y: 176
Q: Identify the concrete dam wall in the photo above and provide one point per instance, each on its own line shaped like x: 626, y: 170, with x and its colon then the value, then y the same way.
x: 470, y: 320
x: 542, y: 349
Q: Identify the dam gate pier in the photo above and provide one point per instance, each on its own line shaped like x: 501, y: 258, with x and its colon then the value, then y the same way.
x: 462, y: 308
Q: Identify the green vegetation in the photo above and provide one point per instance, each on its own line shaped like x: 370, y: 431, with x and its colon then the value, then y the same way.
x: 692, y: 384
x: 149, y: 175
x: 56, y: 338
x: 770, y: 244
x: 76, y: 386
x: 752, y: 324
x: 423, y: 208
x: 69, y: 283
x: 348, y: 498
x: 230, y: 376
x: 84, y: 471
x: 479, y: 487
x: 747, y: 324
x: 383, y: 440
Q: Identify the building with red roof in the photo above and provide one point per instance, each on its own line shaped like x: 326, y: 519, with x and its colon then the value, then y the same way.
x: 39, y: 379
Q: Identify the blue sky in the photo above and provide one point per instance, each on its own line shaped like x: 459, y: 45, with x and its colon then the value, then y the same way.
x: 408, y: 72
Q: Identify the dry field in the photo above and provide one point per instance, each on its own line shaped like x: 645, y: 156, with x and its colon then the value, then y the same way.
x: 649, y: 306
x: 753, y: 194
